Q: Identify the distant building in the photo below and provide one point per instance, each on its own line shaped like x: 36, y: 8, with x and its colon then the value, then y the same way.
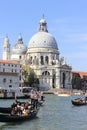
x: 10, y: 77
x: 79, y: 80
x: 42, y: 55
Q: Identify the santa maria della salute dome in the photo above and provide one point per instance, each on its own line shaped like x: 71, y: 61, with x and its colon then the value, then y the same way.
x: 42, y: 55
x: 43, y: 39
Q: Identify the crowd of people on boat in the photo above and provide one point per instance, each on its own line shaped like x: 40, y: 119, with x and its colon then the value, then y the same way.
x: 24, y: 108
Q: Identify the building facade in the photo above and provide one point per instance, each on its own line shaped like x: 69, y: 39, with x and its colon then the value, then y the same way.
x: 10, y: 77
x: 42, y: 55
x: 79, y: 80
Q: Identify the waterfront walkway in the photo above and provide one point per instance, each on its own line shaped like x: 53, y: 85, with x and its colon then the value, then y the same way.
x: 62, y: 91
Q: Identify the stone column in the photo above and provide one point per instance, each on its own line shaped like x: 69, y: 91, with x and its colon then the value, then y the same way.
x: 39, y: 59
x: 57, y: 78
x: 50, y: 59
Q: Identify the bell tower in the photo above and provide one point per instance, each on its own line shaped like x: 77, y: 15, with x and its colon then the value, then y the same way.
x: 6, y: 49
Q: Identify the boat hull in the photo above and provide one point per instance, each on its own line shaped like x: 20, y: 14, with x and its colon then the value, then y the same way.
x: 5, y: 109
x: 78, y: 103
x: 16, y: 118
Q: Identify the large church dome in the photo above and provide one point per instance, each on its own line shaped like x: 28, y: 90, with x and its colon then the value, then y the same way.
x: 19, y: 47
x: 42, y: 39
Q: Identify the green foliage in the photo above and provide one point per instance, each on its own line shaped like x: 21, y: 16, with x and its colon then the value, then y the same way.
x: 28, y: 76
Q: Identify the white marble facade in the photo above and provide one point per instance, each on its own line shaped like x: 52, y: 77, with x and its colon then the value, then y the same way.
x: 42, y: 55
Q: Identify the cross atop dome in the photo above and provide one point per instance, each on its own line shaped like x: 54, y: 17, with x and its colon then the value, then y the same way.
x: 20, y: 37
x: 43, y: 16
x: 43, y: 25
x: 20, y: 40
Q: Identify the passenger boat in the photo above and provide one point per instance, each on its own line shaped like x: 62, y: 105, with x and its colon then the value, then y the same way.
x: 78, y: 102
x: 5, y: 109
x: 17, y: 118
x: 79, y: 99
x: 8, y: 109
x: 20, y: 97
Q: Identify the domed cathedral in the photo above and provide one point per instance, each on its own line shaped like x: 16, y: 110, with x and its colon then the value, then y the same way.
x: 43, y: 57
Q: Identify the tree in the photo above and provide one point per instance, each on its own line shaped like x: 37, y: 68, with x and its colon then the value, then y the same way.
x: 25, y: 73
x: 28, y: 76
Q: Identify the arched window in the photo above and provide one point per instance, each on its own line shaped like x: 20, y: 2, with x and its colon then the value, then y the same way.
x: 45, y: 73
x: 10, y: 80
x: 20, y: 57
x: 34, y: 61
x: 4, y: 80
x: 42, y: 61
x: 46, y: 59
x: 30, y: 60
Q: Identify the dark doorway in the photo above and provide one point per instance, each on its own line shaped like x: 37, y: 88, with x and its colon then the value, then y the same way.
x: 53, y: 81
x: 63, y: 80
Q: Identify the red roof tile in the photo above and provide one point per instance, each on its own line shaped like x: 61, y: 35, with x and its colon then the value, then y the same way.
x: 80, y: 73
x: 9, y: 62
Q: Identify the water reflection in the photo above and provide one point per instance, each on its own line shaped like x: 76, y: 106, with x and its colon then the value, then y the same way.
x: 6, y: 125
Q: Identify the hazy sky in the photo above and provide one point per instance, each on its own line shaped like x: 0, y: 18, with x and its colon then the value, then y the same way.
x: 66, y: 21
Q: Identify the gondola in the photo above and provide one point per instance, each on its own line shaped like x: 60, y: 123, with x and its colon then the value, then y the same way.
x: 5, y: 109
x: 17, y: 118
x: 8, y: 109
x: 20, y: 97
x: 79, y: 102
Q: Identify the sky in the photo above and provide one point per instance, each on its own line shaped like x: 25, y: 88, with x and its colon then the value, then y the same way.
x: 66, y: 21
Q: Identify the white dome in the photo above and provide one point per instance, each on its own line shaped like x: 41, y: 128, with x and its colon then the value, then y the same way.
x: 43, y: 39
x: 19, y: 47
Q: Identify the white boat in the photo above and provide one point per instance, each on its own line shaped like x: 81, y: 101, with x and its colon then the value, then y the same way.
x: 63, y: 94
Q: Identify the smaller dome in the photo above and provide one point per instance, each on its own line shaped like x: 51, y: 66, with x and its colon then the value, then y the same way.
x: 19, y: 47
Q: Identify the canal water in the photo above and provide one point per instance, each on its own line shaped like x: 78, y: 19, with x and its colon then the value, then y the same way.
x: 57, y: 114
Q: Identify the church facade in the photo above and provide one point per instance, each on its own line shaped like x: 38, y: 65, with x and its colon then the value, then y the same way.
x: 42, y: 55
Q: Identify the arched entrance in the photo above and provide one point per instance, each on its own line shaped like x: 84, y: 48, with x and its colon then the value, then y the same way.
x: 53, y: 81
x: 63, y: 80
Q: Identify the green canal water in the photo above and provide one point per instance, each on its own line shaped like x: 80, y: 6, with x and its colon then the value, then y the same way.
x: 57, y: 114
